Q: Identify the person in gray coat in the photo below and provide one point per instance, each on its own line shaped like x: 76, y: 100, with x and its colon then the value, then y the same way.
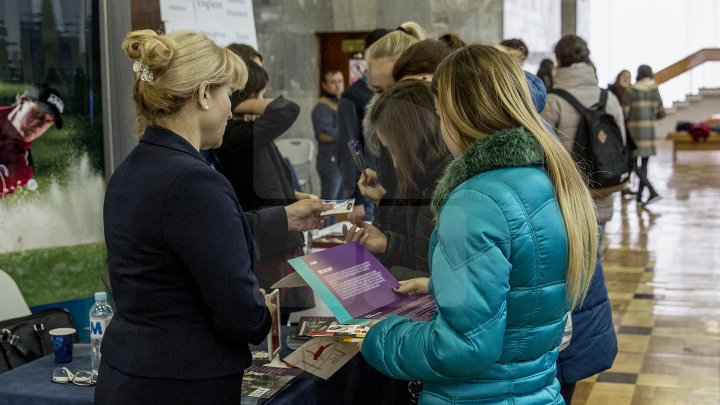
x: 642, y: 105
x: 594, y: 345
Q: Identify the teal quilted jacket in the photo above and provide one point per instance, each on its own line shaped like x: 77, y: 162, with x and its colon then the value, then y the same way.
x: 498, y: 260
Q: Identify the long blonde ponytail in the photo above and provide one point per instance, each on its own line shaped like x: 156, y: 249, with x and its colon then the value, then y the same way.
x: 481, y: 90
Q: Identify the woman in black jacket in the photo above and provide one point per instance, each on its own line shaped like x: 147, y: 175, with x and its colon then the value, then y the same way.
x: 179, y: 247
x: 254, y: 166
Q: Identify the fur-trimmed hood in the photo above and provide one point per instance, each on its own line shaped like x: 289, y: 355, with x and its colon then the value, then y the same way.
x: 645, y: 84
x: 506, y: 148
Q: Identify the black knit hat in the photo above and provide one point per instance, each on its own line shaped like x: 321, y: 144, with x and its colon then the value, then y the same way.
x: 643, y: 72
x: 48, y: 100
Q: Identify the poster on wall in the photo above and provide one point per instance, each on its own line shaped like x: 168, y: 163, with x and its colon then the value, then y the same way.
x: 232, y: 20
x: 52, y: 180
x: 356, y: 69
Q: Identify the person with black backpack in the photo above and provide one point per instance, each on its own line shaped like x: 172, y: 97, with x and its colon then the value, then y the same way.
x: 589, y: 123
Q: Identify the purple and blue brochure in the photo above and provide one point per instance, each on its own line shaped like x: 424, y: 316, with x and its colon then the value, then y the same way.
x: 356, y: 286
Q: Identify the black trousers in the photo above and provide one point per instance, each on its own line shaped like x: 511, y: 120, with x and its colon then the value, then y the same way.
x: 641, y: 171
x: 114, y: 387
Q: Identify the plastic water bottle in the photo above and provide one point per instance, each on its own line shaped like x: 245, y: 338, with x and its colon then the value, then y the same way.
x: 100, y: 315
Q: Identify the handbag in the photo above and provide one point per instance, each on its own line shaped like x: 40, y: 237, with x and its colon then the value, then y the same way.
x: 27, y: 338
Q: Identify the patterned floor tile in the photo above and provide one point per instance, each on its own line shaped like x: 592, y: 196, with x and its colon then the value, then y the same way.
x: 662, y: 270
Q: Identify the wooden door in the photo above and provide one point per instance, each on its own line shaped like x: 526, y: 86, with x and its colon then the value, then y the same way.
x: 145, y: 15
x: 337, y: 51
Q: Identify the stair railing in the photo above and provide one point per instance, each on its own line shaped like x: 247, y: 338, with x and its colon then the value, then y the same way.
x: 687, y: 63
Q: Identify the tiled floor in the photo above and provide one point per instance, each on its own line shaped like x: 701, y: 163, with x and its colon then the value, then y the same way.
x: 662, y: 269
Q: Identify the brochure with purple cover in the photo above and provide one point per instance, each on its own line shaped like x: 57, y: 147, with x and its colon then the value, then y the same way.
x: 355, y: 285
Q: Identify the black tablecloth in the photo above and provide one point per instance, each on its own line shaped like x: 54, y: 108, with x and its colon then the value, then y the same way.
x: 355, y: 383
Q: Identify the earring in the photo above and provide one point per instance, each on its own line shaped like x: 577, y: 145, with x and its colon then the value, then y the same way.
x: 205, y: 107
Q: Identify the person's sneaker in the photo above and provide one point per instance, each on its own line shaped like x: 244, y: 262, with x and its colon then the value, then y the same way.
x: 652, y: 199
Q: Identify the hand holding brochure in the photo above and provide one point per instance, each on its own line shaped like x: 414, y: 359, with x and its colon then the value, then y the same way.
x: 355, y: 285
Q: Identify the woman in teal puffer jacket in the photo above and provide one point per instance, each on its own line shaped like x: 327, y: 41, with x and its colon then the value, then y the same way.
x: 508, y: 256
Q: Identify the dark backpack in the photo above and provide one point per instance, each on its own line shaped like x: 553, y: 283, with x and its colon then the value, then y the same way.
x: 599, y: 149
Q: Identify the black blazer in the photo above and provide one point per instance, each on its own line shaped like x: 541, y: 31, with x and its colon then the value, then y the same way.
x: 180, y: 254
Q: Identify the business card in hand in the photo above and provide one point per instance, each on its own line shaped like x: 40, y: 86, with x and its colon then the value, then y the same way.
x: 338, y: 206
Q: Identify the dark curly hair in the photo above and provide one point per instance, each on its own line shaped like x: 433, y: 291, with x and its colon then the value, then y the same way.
x: 257, y: 80
x: 571, y: 49
x: 517, y: 44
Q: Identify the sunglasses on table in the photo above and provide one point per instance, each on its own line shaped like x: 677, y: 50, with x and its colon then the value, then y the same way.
x: 62, y: 375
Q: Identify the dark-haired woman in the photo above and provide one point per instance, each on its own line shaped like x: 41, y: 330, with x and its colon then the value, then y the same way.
x: 254, y: 166
x: 622, y: 82
x: 403, y: 119
x: 546, y: 72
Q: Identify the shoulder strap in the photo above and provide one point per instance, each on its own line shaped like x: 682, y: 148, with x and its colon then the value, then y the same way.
x: 600, y: 105
x: 603, y: 99
x: 570, y: 99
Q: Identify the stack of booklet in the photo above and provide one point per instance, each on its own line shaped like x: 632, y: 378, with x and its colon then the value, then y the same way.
x: 260, y: 382
x: 306, y: 325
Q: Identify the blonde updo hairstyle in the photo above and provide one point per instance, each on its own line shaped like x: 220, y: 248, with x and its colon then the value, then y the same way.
x: 480, y: 91
x: 392, y: 44
x: 180, y: 62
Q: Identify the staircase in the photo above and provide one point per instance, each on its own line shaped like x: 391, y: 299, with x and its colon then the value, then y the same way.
x: 695, y: 108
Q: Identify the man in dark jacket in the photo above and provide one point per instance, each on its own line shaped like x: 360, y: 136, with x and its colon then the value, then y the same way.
x: 325, y: 124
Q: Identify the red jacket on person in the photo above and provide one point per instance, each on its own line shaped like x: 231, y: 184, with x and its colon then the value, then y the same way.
x: 16, y: 167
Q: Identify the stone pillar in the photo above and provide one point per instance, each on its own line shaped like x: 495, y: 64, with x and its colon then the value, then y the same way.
x: 576, y: 17
x: 568, y: 19
x: 117, y: 77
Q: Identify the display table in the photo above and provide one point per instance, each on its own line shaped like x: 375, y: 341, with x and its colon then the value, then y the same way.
x: 31, y: 383
x: 356, y: 382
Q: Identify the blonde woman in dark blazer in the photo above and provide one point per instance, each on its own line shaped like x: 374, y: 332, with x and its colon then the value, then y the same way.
x: 180, y: 249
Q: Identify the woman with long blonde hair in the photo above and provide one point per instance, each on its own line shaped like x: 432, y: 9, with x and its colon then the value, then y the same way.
x: 512, y: 251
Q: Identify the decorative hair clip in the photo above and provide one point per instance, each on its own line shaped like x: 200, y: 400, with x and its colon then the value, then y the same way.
x: 145, y: 73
